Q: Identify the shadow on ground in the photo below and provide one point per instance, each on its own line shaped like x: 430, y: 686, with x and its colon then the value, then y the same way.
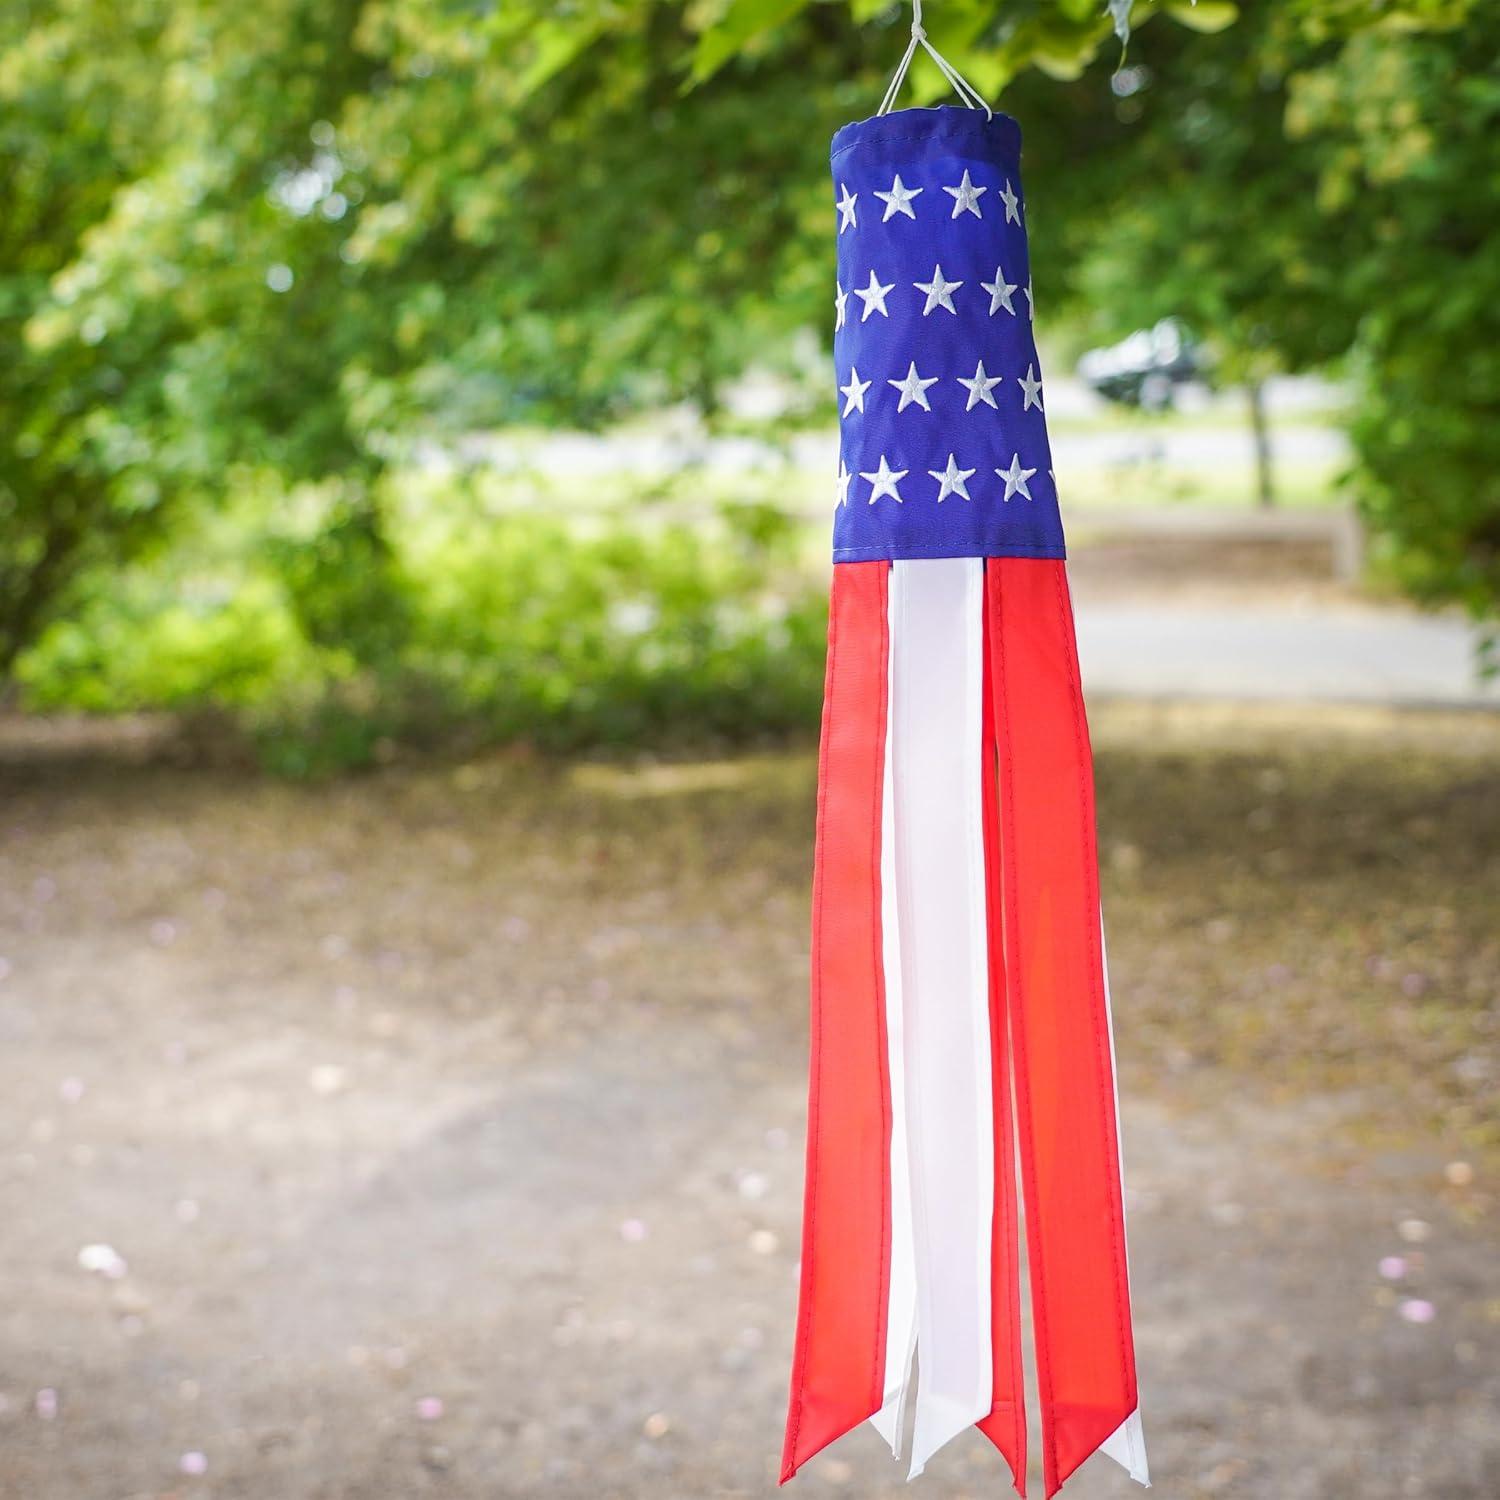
x: 445, y: 1125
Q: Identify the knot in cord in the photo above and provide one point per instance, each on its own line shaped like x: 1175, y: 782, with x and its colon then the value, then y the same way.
x: 919, y: 39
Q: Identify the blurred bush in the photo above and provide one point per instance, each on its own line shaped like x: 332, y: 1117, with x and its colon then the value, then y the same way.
x: 1420, y: 118
x: 1307, y: 192
x: 483, y: 615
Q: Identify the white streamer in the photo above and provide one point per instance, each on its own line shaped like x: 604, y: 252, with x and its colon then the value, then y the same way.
x: 901, y: 1304
x: 936, y: 757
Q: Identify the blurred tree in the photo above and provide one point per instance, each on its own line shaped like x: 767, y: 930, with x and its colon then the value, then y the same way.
x: 290, y: 240
x: 1309, y: 190
x: 1407, y: 133
x: 153, y: 336
x: 78, y: 123
x: 279, y: 240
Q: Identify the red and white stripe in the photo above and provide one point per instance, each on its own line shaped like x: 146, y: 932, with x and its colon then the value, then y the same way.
x: 958, y: 965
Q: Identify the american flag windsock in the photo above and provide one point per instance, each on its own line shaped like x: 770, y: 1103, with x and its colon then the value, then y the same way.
x: 960, y: 1005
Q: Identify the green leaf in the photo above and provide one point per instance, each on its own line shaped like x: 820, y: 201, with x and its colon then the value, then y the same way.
x: 741, y: 24
x: 1205, y: 15
x: 1065, y: 67
x: 555, y: 48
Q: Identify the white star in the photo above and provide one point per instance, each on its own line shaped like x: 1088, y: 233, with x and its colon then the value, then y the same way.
x: 939, y: 292
x: 953, y: 480
x: 966, y: 196
x: 898, y: 200
x: 846, y: 208
x: 874, y: 297
x: 1031, y: 389
x: 1026, y: 293
x: 1011, y: 202
x: 913, y: 388
x: 1000, y: 290
x: 884, y: 480
x: 840, y: 308
x: 854, y: 392
x: 844, y: 477
x: 1015, y: 477
x: 979, y: 388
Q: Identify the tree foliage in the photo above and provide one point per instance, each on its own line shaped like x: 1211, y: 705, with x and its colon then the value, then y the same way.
x: 1312, y: 192
x: 1409, y: 129
x: 276, y: 244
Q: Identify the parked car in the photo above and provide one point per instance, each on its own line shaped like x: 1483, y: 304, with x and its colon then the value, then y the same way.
x: 1146, y: 368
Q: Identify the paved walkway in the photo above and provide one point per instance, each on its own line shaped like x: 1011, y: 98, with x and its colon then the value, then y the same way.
x: 1263, y: 652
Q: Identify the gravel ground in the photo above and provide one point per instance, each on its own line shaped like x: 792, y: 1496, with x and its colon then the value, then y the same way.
x: 439, y: 1132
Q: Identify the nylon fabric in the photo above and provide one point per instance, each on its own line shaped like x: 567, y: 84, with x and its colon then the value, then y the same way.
x: 838, y: 1364
x: 901, y: 1314
x: 1005, y: 1426
x: 1059, y: 1019
x: 937, y: 682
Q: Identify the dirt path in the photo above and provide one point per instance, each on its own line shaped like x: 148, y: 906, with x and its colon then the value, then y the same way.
x: 447, y: 1125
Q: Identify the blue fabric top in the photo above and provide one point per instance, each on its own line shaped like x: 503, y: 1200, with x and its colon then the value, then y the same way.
x: 943, y: 433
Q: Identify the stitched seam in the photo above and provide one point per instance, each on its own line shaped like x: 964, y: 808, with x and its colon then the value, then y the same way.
x: 974, y: 821
x: 1010, y: 1227
x: 877, y: 553
x: 1096, y: 969
x: 921, y: 135
x: 1013, y: 1258
x: 882, y: 1304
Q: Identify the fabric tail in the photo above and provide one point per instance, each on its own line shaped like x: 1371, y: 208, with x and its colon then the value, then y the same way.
x: 1005, y: 1426
x: 838, y: 1367
x: 1059, y: 1021
x: 1127, y: 1444
x: 937, y: 610
x: 901, y: 1310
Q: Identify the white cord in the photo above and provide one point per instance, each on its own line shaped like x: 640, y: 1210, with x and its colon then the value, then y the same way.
x: 961, y: 85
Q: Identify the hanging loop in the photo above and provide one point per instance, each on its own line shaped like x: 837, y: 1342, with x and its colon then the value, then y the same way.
x: 961, y: 85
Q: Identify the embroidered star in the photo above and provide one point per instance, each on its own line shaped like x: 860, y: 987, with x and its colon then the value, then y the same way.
x: 966, y: 197
x: 1011, y: 202
x: 874, y: 297
x: 913, y: 388
x: 1026, y: 293
x: 898, y: 200
x: 844, y: 477
x: 1015, y: 477
x: 846, y: 209
x: 980, y: 387
x: 854, y: 392
x: 884, y: 480
x: 939, y: 292
x: 1031, y: 389
x: 1000, y: 290
x: 952, y: 480
x: 840, y: 308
